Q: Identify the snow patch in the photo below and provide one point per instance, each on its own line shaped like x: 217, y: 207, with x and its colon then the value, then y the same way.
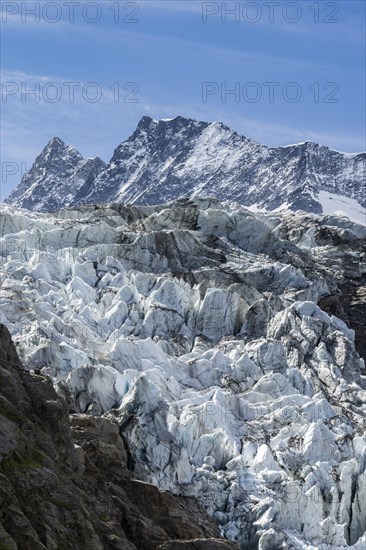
x: 342, y: 206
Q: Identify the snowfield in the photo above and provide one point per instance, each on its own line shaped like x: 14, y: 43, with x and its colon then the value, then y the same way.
x: 342, y: 206
x: 195, y: 324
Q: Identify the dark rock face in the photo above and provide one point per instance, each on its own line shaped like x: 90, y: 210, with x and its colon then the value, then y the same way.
x: 169, y: 159
x: 66, y: 484
x: 348, y: 298
x: 350, y: 305
x: 196, y: 545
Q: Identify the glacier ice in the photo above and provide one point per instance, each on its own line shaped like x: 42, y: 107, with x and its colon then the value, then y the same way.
x: 196, y: 325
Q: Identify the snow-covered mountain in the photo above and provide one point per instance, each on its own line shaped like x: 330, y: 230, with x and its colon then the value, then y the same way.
x: 216, y: 339
x: 168, y: 159
x: 55, y: 178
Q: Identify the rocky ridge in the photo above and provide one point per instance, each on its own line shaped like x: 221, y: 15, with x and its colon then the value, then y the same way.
x: 168, y: 159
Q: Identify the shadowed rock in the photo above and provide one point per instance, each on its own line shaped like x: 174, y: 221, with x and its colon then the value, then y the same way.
x: 63, y: 488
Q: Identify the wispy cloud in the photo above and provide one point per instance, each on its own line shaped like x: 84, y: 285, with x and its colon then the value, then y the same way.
x: 344, y: 27
x: 188, y: 6
x: 136, y: 39
x: 275, y: 135
x: 94, y: 128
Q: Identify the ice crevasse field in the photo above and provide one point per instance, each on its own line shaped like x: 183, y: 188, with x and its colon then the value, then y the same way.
x: 196, y: 325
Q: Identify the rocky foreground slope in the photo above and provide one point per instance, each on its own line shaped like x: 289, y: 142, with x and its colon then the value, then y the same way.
x: 66, y: 484
x: 195, y: 327
x: 168, y: 159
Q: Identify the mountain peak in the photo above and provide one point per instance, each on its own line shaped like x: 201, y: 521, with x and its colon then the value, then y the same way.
x: 145, y: 122
x: 57, y: 151
x: 178, y: 119
x: 181, y: 157
x: 183, y: 122
x: 54, y: 148
x: 56, y: 142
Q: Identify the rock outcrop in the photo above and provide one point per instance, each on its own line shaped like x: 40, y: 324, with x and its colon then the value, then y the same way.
x: 66, y: 484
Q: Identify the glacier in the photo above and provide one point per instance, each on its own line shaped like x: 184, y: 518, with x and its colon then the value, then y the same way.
x: 196, y: 325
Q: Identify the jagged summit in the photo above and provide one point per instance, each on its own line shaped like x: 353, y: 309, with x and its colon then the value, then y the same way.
x: 55, y: 178
x: 57, y: 147
x: 171, y: 158
x: 56, y: 142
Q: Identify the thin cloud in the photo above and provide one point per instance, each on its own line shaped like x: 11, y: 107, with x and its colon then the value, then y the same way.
x: 188, y: 6
x: 345, y: 29
x: 272, y: 134
x: 281, y: 135
x: 135, y: 37
x: 227, y: 54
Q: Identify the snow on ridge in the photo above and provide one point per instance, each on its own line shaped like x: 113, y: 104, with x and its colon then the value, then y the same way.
x: 207, y: 158
x: 311, y: 142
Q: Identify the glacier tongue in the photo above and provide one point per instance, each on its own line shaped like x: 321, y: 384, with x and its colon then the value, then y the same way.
x: 195, y: 324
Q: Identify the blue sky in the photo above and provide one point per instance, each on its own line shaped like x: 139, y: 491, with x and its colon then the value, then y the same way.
x: 297, y: 70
